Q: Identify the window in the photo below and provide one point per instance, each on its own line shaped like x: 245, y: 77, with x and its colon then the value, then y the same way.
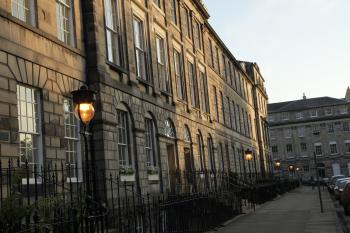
x: 113, y: 34
x: 71, y: 126
x: 204, y: 92
x: 29, y: 122
x: 343, y: 110
x: 229, y: 111
x: 217, y: 59
x: 233, y: 113
x: 318, y: 148
x: 328, y: 112
x: 306, y: 168
x: 124, y: 155
x: 301, y: 131
x: 330, y: 128
x: 161, y: 65
x: 211, y: 154
x: 150, y: 148
x: 193, y: 85
x: 299, y: 115
x: 347, y: 147
x: 285, y: 116
x: 201, y: 151
x: 289, y: 147
x: 313, y: 113
x: 287, y: 133
x: 272, y: 134
x: 179, y: 75
x: 140, y: 52
x: 274, y: 149
x: 174, y: 11
x: 188, y: 23
x: 159, y: 3
x: 303, y: 146
x: 270, y: 118
x: 346, y: 127
x: 316, y: 129
x: 216, y: 104
x: 211, y: 54
x: 333, y: 147
x: 198, y: 35
x: 24, y: 10
x: 64, y: 18
x: 169, y: 129
x: 223, y: 108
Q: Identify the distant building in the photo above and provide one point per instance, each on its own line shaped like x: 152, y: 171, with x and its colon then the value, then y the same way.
x: 300, y: 128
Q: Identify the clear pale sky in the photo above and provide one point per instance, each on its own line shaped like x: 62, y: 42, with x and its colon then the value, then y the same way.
x: 300, y: 45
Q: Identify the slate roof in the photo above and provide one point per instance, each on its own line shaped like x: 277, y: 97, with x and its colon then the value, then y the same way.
x: 303, y: 104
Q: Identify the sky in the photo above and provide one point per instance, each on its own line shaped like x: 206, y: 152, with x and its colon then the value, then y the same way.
x: 301, y: 46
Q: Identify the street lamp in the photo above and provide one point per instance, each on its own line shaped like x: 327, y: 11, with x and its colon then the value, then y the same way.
x: 278, y: 167
x: 249, y: 156
x: 83, y: 100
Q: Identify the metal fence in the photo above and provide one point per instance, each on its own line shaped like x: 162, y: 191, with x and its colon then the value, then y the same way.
x: 51, y: 199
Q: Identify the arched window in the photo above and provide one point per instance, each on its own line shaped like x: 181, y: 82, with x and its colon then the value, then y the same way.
x: 150, y: 142
x: 169, y: 129
x: 187, y: 134
x: 211, y: 158
x: 124, y: 139
x: 201, y: 151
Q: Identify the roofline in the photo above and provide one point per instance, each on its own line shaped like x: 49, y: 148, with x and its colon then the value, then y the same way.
x: 202, y: 8
x: 305, y: 108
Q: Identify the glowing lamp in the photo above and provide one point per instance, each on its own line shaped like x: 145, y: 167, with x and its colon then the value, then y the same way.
x: 84, y: 100
x: 248, y: 155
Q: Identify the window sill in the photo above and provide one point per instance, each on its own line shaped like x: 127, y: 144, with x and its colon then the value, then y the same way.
x: 144, y: 82
x: 117, y: 68
x: 74, y: 180
x: 166, y: 93
x: 40, y: 32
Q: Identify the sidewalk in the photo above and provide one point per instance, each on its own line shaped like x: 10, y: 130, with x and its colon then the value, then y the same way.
x: 295, y: 212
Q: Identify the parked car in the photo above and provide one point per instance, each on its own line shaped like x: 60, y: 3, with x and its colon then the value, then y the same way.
x: 345, y: 198
x: 339, y: 186
x: 332, y: 182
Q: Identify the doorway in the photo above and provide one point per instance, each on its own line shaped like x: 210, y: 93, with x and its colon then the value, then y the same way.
x: 171, y: 167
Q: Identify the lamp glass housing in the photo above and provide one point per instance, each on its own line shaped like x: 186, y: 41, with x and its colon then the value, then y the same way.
x: 84, y: 100
x: 248, y: 155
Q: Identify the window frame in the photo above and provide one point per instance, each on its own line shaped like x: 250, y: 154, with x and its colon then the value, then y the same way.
x: 116, y: 33
x: 140, y: 51
x: 67, y: 33
x: 36, y: 134
x: 161, y: 60
x: 30, y: 13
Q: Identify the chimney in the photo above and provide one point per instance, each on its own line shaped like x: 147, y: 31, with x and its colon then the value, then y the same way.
x: 304, y: 96
x: 347, y: 95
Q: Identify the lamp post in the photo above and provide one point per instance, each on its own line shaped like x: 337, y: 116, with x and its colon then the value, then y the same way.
x: 83, y: 100
x: 291, y: 170
x: 278, y: 167
x: 317, y: 177
x: 318, y: 183
x: 248, y: 155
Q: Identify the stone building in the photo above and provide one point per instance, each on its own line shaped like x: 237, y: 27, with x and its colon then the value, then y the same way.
x: 300, y: 128
x: 170, y: 95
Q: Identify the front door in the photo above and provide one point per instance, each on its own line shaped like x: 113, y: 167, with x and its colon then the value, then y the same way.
x: 171, y: 167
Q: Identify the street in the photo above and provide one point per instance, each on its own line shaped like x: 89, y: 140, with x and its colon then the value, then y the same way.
x: 295, y: 212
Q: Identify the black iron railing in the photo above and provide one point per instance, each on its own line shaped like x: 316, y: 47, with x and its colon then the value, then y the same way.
x: 54, y: 199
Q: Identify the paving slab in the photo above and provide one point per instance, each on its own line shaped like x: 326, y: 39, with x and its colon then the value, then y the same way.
x: 294, y: 212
